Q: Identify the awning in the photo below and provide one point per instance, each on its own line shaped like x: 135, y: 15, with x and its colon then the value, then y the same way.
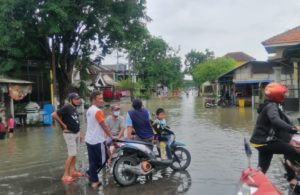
x: 239, y: 82
x: 13, y: 81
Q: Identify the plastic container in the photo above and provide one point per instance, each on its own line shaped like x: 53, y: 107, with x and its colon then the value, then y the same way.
x: 241, y: 103
x: 47, y: 118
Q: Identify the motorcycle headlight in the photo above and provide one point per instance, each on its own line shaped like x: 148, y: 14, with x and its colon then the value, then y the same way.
x: 245, y: 189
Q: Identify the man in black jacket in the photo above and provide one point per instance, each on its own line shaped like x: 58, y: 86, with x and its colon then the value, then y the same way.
x: 273, y: 130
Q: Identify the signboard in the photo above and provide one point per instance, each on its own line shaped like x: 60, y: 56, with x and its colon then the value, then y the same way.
x: 18, y: 92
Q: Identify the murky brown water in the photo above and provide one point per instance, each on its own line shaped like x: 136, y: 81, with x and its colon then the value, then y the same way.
x: 32, y: 162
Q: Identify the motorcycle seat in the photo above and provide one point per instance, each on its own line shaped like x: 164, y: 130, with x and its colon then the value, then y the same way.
x: 137, y: 142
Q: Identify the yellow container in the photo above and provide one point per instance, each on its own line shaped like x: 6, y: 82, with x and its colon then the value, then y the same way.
x: 241, y: 103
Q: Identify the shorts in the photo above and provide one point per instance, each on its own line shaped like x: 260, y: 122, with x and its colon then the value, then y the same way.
x: 72, y: 141
x: 10, y: 130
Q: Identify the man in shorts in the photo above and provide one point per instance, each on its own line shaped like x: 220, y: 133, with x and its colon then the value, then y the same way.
x: 68, y: 118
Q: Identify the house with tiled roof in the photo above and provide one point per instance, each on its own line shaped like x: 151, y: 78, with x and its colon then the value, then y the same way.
x: 278, y: 44
x: 284, y: 49
x: 246, y: 82
x: 240, y: 57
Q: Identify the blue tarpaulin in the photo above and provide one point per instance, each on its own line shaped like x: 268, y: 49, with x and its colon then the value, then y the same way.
x: 252, y: 81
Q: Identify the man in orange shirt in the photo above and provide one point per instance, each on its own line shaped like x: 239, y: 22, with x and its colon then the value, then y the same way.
x: 95, y: 138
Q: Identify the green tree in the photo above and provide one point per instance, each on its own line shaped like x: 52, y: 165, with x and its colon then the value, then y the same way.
x: 155, y: 62
x: 211, y: 69
x: 72, y: 29
x: 194, y: 58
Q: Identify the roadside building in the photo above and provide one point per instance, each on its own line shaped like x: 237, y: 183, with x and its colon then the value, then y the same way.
x: 239, y: 57
x: 103, y: 78
x: 11, y: 92
x: 284, y: 49
x: 247, y: 81
x: 120, y: 70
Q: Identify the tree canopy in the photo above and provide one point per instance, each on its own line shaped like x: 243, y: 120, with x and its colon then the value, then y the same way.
x: 72, y: 29
x: 156, y: 63
x: 194, y: 58
x: 210, y: 69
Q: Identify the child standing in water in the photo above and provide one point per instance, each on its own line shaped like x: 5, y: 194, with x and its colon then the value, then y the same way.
x: 10, y: 126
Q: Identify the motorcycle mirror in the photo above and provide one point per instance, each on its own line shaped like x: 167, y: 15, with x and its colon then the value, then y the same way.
x: 248, y: 151
x: 247, y: 148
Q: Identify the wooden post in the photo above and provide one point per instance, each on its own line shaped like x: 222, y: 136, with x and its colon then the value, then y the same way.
x: 12, y: 111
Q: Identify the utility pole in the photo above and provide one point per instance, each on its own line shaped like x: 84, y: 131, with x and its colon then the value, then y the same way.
x: 53, y: 76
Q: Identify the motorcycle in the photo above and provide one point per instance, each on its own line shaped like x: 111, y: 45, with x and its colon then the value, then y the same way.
x: 137, y: 158
x: 253, y: 181
x: 210, y: 102
x: 295, y: 167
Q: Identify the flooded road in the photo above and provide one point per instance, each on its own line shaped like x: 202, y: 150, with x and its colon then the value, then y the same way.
x: 32, y: 162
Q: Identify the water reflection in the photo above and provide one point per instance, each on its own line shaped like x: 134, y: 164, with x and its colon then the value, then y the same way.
x: 11, y: 146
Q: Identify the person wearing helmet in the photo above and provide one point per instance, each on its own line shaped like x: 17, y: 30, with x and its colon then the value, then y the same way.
x: 138, y: 121
x: 273, y: 129
x: 68, y: 118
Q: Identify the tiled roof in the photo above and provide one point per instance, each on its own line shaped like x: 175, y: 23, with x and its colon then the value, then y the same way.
x: 287, y: 37
x: 239, y: 56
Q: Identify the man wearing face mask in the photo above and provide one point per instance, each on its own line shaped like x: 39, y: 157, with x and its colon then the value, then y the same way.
x: 68, y: 118
x: 115, y: 122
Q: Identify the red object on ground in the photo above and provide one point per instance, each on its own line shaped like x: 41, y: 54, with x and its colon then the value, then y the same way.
x: 255, y: 178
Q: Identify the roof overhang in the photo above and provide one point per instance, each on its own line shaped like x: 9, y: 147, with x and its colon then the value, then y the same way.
x: 292, y: 52
x: 272, y: 48
x: 13, y: 81
x: 241, y: 82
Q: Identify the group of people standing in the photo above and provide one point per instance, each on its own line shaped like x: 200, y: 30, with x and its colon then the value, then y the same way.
x: 99, y: 129
x: 7, y: 129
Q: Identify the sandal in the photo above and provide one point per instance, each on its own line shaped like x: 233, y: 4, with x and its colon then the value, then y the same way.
x: 95, y: 184
x: 77, y: 174
x: 67, y: 179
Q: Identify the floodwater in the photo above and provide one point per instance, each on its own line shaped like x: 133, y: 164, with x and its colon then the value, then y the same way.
x: 32, y: 162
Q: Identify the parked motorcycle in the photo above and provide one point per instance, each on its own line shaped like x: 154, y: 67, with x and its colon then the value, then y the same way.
x: 210, y: 102
x: 253, y: 181
x: 136, y: 158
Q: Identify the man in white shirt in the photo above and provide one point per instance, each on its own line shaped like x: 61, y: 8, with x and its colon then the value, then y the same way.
x: 95, y: 138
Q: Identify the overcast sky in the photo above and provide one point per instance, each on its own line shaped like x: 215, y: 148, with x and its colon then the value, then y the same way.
x: 220, y: 25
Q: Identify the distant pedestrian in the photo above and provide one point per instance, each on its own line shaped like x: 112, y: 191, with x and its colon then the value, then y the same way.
x: 95, y: 138
x: 10, y: 126
x: 2, y: 130
x: 68, y: 118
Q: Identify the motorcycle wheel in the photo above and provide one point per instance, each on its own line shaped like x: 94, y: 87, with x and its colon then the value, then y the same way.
x: 181, y: 159
x: 124, y: 178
